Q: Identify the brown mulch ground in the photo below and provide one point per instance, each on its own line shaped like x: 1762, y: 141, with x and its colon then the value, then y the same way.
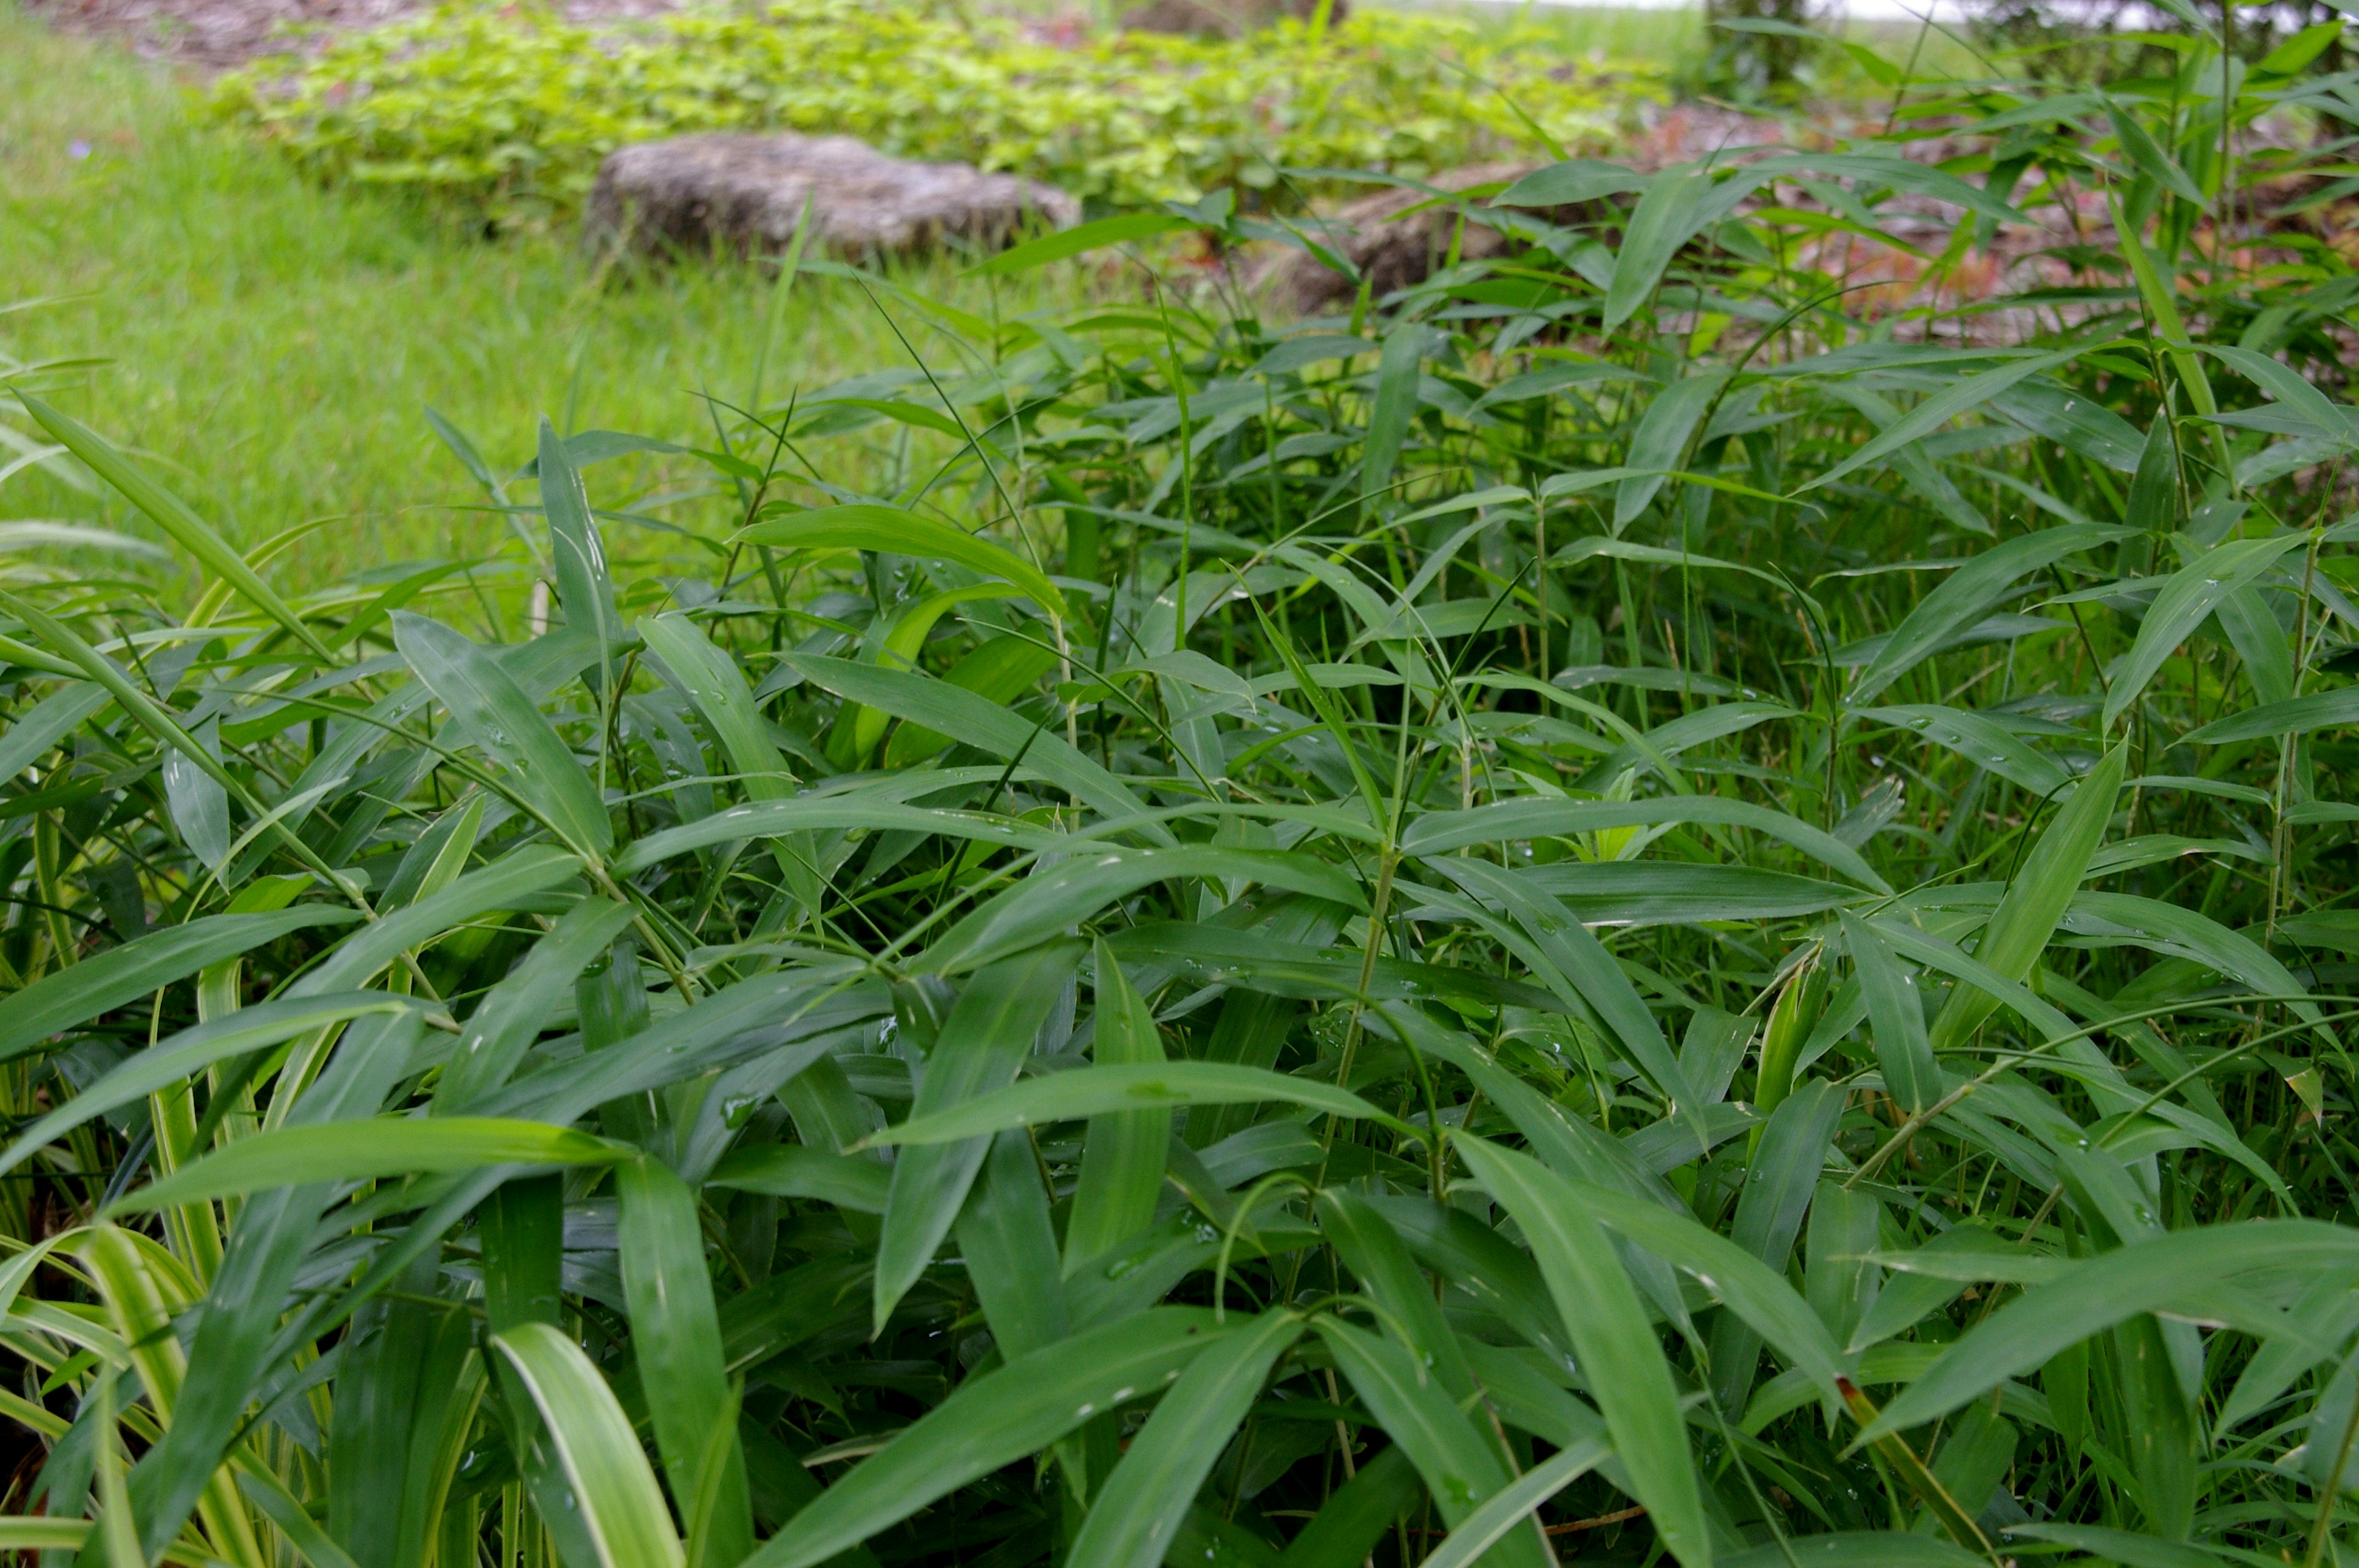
x: 215, y: 34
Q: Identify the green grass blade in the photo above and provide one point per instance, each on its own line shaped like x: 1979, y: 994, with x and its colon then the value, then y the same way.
x: 101, y: 983
x: 620, y: 1504
x: 992, y: 1420
x: 355, y: 1151
x: 1618, y: 1351
x: 168, y: 513
x: 894, y: 532
x: 2035, y: 901
x: 676, y: 1339
x: 493, y: 712
x: 1122, y: 1154
x: 983, y: 1041
x: 1137, y: 1087
x: 1134, y: 1515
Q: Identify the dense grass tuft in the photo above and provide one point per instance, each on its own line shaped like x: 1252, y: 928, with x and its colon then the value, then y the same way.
x: 1630, y: 906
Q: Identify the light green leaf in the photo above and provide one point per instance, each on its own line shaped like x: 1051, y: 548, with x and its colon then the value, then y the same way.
x: 992, y: 1420
x: 1078, y: 240
x: 1618, y: 1349
x: 1660, y: 438
x: 1970, y: 392
x: 107, y: 980
x: 675, y: 1340
x: 1969, y: 593
x: 621, y: 1507
x: 361, y: 1151
x: 2101, y: 1291
x: 168, y: 513
x: 2042, y: 890
x: 983, y: 1042
x: 2193, y: 593
x: 2295, y: 716
x: 896, y: 532
x: 1896, y: 1012
x: 1097, y: 1091
x: 1040, y: 908
x: 514, y: 876
x: 1133, y: 1516
x: 1507, y: 1507
x: 799, y: 1171
x: 493, y: 712
x: 1122, y: 1152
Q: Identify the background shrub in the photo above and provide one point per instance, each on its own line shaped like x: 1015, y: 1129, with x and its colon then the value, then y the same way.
x: 513, y: 106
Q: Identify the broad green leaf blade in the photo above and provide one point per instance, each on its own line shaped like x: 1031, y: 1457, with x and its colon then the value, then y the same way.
x: 1969, y: 593
x: 1969, y: 392
x: 512, y: 1015
x: 2335, y: 421
x: 2192, y: 595
x: 1561, y: 942
x: 1142, y: 1085
x: 1122, y: 1154
x: 2101, y: 1291
x: 1040, y: 907
x: 1896, y: 1014
x: 799, y: 1171
x: 1679, y: 204
x: 1617, y: 1349
x: 2042, y: 890
x: 491, y: 711
x: 1396, y: 402
x: 1779, y: 1180
x: 1356, y: 1514
x: 1439, y: 832
x: 768, y: 817
x: 621, y: 1505
x: 1662, y: 438
x: 985, y: 725
x: 1460, y: 1469
x: 721, y: 694
x: 576, y: 556
x: 2147, y: 156
x: 189, y: 1052
x: 99, y: 984
x: 168, y: 513
x: 356, y: 1151
x: 47, y: 722
x: 983, y: 1041
x: 1078, y: 240
x: 1507, y: 1507
x: 2297, y: 716
x: 514, y: 876
x: 1010, y: 1249
x: 1746, y: 1285
x: 1133, y: 1516
x: 676, y: 1339
x: 1861, y: 1549
x: 1980, y: 740
x: 991, y: 1421
x: 896, y: 532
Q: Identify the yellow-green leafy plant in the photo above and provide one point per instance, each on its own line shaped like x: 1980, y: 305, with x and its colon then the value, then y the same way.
x: 1499, y: 929
x: 514, y: 105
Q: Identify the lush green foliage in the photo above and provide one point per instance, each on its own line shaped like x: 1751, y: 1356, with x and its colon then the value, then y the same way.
x: 1577, y: 880
x: 269, y: 343
x: 513, y: 105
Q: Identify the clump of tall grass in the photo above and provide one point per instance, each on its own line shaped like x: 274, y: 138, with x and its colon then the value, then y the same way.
x: 1603, y: 909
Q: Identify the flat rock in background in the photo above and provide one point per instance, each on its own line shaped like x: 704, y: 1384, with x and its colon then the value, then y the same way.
x: 746, y: 194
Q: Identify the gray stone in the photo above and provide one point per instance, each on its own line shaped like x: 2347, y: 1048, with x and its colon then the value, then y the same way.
x: 746, y: 194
